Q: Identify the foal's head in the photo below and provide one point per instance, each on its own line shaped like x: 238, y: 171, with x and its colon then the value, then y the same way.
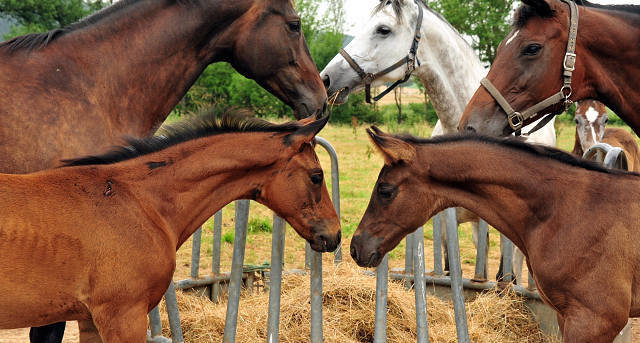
x: 399, y: 203
x: 591, y: 118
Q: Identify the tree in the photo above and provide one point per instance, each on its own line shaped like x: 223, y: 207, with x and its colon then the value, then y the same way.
x: 45, y: 15
x: 485, y: 21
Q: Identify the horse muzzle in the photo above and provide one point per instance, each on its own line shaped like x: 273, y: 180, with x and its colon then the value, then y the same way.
x: 365, y: 250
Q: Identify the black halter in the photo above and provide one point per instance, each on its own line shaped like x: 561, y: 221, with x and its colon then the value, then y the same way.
x: 410, y: 60
x: 516, y: 119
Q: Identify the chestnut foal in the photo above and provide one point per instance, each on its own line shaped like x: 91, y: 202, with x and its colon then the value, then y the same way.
x: 95, y: 240
x: 575, y: 220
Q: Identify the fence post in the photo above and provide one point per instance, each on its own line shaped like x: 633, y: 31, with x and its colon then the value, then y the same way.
x: 316, y: 297
x: 239, y: 244
x: 174, y: 315
x: 408, y: 259
x: 382, y: 282
x: 335, y: 187
x: 217, y: 246
x: 275, y: 279
x: 438, y: 270
x: 456, y: 275
x: 481, y: 257
x: 422, y: 326
x: 196, y: 241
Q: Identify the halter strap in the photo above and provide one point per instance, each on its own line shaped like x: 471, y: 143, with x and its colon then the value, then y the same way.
x: 516, y: 119
x: 410, y: 60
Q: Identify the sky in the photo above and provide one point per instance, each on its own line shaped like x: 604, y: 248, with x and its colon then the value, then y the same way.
x: 359, y: 11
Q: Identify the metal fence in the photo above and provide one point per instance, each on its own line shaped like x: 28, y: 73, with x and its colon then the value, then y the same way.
x: 313, y: 261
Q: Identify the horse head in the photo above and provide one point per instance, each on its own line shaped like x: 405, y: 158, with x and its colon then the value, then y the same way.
x: 298, y: 193
x: 591, y: 117
x: 269, y: 47
x: 399, y: 204
x: 532, y: 65
x: 384, y: 41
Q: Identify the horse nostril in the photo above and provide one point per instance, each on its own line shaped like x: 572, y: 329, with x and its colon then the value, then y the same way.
x: 354, y: 253
x: 326, y: 81
x: 469, y: 129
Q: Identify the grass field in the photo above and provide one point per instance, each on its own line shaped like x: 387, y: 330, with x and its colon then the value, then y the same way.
x: 359, y: 167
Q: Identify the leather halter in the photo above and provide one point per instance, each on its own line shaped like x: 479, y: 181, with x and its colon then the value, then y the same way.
x: 516, y: 119
x: 409, y: 60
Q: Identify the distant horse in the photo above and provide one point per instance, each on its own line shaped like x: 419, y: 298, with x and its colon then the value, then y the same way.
x: 76, y: 90
x: 538, y: 60
x: 449, y: 69
x: 584, y: 255
x: 591, y: 118
x: 95, y: 240
x: 71, y: 91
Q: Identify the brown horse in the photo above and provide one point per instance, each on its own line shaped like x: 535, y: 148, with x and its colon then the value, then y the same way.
x: 95, y: 240
x: 72, y: 91
x: 591, y: 118
x: 585, y: 259
x: 532, y: 64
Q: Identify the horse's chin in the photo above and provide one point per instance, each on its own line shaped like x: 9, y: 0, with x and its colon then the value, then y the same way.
x: 342, y: 97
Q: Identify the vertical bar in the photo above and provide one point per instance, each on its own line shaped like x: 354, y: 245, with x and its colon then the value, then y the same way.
x: 408, y: 259
x: 507, y: 260
x: 195, y: 253
x: 382, y: 282
x: 481, y: 257
x: 275, y: 280
x: 307, y: 255
x: 174, y: 316
x: 438, y: 270
x: 154, y: 322
x: 456, y: 275
x: 235, y: 282
x: 422, y: 326
x: 335, y: 187
x: 217, y: 245
x: 316, y: 297
x: 531, y: 285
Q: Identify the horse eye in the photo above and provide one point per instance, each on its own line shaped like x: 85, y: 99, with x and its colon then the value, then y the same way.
x: 385, y: 193
x: 606, y: 120
x: 577, y: 121
x: 294, y: 26
x: 316, y: 179
x: 383, y: 30
x: 532, y: 50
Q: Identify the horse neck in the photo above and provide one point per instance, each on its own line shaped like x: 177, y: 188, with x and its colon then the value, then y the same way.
x: 146, y: 55
x: 194, y: 180
x: 612, y: 62
x: 512, y: 191
x: 450, y: 70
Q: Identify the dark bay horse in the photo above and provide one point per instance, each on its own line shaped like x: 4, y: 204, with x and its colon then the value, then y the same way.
x: 591, y: 119
x: 532, y: 63
x: 95, y: 240
x: 71, y: 91
x: 576, y: 221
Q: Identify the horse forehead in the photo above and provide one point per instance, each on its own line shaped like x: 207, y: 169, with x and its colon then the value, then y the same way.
x: 592, y: 114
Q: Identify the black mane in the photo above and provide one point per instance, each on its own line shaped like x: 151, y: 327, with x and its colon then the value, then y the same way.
x: 213, y: 122
x: 40, y: 40
x: 540, y: 151
x: 524, y: 12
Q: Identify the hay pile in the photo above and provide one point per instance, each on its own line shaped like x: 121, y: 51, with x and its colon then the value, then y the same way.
x: 348, y: 312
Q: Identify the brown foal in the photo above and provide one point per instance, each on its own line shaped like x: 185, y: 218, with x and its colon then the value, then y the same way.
x: 575, y: 220
x: 95, y: 240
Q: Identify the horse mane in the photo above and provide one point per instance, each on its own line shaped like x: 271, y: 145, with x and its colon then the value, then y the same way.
x: 513, y: 143
x: 215, y: 121
x: 34, y: 41
x: 524, y: 12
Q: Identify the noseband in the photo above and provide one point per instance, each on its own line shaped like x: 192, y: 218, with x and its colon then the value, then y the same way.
x: 516, y: 119
x: 410, y: 60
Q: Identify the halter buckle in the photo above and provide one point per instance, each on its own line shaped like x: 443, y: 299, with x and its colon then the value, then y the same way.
x: 569, y: 61
x: 516, y: 124
x: 368, y: 79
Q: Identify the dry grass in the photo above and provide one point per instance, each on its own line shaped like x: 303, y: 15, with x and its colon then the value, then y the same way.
x: 348, y: 314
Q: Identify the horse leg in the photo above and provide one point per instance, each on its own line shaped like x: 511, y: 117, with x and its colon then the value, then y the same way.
x: 585, y: 327
x: 51, y: 333
x: 121, y: 323
x: 88, y: 332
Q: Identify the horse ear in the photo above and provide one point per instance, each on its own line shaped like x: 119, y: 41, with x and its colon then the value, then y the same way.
x: 308, y: 131
x: 542, y: 5
x: 392, y: 148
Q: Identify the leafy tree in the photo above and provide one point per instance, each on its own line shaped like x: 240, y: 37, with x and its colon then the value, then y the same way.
x: 44, y: 15
x: 485, y: 21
